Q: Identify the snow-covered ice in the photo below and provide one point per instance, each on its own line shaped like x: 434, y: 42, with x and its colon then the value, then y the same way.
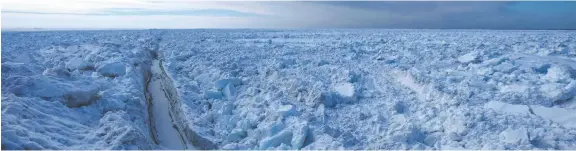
x: 289, y: 89
x: 345, y: 89
x: 507, y: 108
x: 53, y: 97
x: 561, y: 116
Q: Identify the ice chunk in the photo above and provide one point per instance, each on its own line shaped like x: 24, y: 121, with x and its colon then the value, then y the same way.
x: 329, y: 99
x: 471, y: 57
x: 387, y: 59
x: 507, y: 108
x: 79, y: 64
x: 236, y: 135
x: 568, y: 92
x: 454, y: 136
x: 400, y: 107
x: 276, y: 127
x: 345, y: 89
x: 230, y: 146
x: 343, y: 93
x: 213, y: 95
x: 408, y: 134
x: 56, y: 72
x: 226, y: 108
x: 322, y: 62
x: 455, y: 124
x: 80, y: 96
x: 324, y: 142
x: 114, y: 69
x: 230, y: 92
x: 562, y: 116
x: 284, y: 63
x: 283, y: 147
x: 200, y: 137
x: 284, y: 137
x: 353, y: 77
x: 505, y: 67
x: 551, y: 90
x: 73, y: 94
x: 557, y: 93
x: 518, y: 88
x: 559, y: 73
x: 220, y: 84
x: 235, y: 146
x: 301, y: 136
x: 286, y: 110
x: 514, y: 136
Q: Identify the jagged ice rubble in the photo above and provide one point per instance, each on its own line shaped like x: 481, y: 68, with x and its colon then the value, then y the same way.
x: 289, y: 89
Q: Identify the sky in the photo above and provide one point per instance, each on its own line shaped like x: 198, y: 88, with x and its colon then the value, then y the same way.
x: 180, y: 14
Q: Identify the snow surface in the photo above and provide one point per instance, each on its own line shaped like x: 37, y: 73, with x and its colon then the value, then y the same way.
x: 167, y: 134
x: 507, y: 108
x: 290, y: 89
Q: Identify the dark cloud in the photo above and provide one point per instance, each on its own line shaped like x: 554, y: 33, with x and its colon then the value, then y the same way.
x: 469, y: 15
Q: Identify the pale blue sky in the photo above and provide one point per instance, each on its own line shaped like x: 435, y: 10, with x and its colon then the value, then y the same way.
x: 210, y: 14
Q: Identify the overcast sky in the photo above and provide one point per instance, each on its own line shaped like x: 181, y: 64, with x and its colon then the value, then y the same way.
x: 194, y: 14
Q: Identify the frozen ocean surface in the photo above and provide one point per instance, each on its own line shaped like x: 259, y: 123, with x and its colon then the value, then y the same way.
x: 289, y: 89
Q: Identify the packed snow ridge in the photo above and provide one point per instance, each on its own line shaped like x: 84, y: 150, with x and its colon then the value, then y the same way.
x: 289, y: 89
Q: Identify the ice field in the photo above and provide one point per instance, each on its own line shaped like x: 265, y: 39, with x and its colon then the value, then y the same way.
x: 289, y: 89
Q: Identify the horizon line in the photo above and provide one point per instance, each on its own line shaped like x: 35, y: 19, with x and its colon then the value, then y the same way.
x: 208, y: 28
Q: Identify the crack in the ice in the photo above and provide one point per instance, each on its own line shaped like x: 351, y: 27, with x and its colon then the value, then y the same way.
x: 148, y: 79
x: 148, y: 97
